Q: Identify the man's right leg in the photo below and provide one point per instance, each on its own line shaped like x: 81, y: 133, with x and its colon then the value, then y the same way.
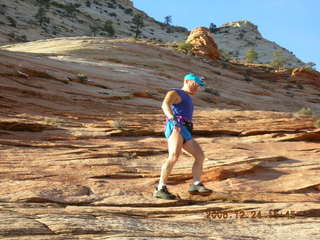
x: 175, y: 143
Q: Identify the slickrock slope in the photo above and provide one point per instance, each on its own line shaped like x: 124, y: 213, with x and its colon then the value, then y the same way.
x: 81, y: 146
x: 29, y: 20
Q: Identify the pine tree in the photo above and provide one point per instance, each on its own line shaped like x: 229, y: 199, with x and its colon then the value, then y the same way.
x: 94, y: 29
x: 212, y: 27
x: 44, y: 3
x: 251, y: 56
x: 168, y: 20
x: 108, y: 27
x: 311, y: 65
x: 278, y: 61
x: 137, y: 20
x: 41, y: 16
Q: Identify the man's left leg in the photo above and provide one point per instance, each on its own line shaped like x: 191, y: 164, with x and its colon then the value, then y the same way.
x: 195, y: 150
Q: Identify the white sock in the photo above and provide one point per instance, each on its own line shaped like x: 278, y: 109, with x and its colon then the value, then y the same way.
x: 196, y: 182
x: 160, y: 186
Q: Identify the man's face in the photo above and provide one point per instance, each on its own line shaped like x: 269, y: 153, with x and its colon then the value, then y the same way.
x: 193, y: 86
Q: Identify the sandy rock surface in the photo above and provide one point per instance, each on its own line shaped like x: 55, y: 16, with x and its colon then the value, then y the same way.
x: 81, y: 145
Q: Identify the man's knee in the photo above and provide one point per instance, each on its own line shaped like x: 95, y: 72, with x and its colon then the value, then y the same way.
x: 199, y: 156
x: 173, y: 157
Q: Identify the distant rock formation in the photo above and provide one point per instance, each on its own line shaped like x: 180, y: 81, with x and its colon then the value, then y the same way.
x: 203, y: 44
x: 114, y: 19
x: 70, y: 18
x: 235, y: 39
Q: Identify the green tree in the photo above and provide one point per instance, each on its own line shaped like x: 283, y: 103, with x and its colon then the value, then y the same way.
x: 71, y: 9
x: 137, y: 20
x: 212, y: 27
x: 278, y: 61
x: 128, y: 11
x: 311, y: 65
x: 13, y: 22
x: 109, y: 28
x: 44, y: 3
x: 168, y: 20
x: 251, y: 56
x: 94, y: 29
x: 3, y: 9
x: 88, y: 4
x: 41, y: 16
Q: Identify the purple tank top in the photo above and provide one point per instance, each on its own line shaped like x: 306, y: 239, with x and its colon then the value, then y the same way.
x: 185, y: 107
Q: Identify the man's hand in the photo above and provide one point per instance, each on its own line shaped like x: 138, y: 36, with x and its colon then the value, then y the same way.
x: 176, y: 124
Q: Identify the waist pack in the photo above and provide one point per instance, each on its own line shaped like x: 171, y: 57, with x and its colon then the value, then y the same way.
x: 183, y: 121
x: 188, y: 125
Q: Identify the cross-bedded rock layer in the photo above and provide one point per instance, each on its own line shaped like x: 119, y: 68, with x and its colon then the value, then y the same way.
x: 81, y: 146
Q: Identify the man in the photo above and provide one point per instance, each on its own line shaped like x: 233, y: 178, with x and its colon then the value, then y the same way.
x: 178, y: 108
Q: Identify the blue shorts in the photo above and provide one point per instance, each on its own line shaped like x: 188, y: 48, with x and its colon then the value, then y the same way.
x: 185, y: 133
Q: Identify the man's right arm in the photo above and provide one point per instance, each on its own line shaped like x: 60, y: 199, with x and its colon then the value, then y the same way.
x: 172, y: 97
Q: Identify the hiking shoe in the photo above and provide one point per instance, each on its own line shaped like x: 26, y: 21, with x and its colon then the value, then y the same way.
x: 199, y: 189
x: 164, y: 193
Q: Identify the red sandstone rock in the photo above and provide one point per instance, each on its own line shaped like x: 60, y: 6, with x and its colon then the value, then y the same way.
x: 203, y: 43
x: 82, y: 158
x: 306, y: 75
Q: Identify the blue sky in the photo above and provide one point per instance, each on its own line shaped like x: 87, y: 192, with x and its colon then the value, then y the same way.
x: 293, y: 24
